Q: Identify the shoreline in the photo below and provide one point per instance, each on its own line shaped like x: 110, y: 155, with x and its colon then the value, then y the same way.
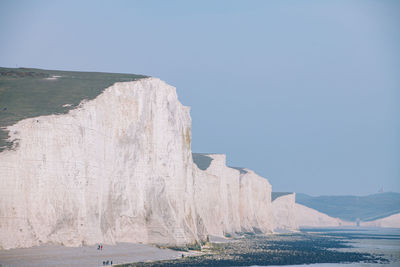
x: 315, y: 249
x: 321, y: 246
x: 88, y: 256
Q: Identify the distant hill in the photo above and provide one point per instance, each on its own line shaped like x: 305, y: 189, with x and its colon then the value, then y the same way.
x: 27, y: 93
x: 350, y: 208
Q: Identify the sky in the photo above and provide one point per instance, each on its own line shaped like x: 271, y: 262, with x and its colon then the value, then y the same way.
x: 305, y: 93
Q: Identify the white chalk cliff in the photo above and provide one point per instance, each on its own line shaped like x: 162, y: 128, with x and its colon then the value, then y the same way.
x: 119, y: 169
x: 283, y: 209
x: 230, y: 200
x: 308, y: 217
x: 392, y: 221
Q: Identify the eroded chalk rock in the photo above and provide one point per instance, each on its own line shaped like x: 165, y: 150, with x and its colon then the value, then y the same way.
x: 119, y: 168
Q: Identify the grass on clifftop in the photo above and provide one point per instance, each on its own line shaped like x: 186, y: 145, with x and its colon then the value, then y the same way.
x: 27, y: 93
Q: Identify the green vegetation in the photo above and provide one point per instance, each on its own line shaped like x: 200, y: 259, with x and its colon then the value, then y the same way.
x: 27, y: 93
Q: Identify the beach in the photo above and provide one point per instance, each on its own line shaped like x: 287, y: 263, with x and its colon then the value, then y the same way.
x: 328, y: 247
x: 52, y: 255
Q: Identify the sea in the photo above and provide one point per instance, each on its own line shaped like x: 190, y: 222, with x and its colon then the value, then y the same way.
x: 384, y: 242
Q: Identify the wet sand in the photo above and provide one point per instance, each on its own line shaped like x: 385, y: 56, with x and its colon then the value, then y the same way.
x: 52, y: 255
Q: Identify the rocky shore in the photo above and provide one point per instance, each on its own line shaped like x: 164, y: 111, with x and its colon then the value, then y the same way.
x: 288, y: 249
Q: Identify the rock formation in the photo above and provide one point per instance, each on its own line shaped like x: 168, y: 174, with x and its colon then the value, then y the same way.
x: 392, y: 221
x: 230, y: 200
x: 283, y: 208
x: 119, y: 168
x: 307, y: 217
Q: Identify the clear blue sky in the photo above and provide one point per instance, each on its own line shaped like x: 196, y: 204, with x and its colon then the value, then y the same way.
x: 306, y: 93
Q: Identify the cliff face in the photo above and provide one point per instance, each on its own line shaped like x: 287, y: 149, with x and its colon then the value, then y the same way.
x: 119, y: 169
x: 307, y: 217
x: 116, y: 169
x: 283, y: 208
x: 392, y: 221
x: 255, y: 203
x: 229, y: 200
x: 217, y: 197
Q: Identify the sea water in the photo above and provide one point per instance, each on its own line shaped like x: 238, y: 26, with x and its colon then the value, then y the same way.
x: 382, y: 241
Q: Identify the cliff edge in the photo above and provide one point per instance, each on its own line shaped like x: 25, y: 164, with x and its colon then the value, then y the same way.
x: 119, y: 168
